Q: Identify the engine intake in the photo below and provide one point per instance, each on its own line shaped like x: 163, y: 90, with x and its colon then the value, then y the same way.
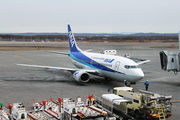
x: 81, y: 76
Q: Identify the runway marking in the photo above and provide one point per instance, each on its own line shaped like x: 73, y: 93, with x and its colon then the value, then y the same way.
x: 30, y: 60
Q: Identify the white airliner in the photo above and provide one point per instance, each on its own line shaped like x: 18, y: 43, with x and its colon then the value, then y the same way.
x: 108, y: 66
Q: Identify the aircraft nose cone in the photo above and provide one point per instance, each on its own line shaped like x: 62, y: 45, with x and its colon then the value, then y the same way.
x: 139, y: 75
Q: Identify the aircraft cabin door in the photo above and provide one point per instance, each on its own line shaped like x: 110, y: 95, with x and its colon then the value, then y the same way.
x: 116, y: 68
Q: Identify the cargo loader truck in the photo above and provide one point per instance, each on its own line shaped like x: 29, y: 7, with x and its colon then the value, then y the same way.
x: 145, y: 105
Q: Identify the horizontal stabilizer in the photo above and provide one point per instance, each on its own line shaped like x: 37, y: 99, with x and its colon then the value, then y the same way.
x: 88, y: 50
x: 64, y: 53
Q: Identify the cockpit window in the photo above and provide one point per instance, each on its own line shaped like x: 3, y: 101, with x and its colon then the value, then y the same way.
x: 127, y: 66
x: 131, y: 67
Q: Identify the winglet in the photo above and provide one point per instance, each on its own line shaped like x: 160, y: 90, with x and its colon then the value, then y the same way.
x: 72, y: 42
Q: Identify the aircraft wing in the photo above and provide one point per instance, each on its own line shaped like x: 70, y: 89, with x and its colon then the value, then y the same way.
x: 139, y: 61
x: 143, y: 62
x: 60, y: 68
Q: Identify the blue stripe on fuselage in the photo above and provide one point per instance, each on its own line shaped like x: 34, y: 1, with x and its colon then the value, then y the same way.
x: 80, y: 57
x: 85, y: 62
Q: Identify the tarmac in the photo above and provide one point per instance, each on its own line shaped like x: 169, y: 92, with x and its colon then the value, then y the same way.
x: 23, y: 84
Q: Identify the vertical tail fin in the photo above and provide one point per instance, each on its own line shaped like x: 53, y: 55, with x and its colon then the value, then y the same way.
x: 72, y: 42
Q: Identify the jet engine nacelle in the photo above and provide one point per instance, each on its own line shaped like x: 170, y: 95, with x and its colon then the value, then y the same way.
x: 81, y: 76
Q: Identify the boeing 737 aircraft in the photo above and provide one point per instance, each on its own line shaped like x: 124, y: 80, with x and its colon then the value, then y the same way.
x: 108, y: 66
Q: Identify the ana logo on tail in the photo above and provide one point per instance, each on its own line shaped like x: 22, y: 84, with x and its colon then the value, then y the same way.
x: 71, y: 38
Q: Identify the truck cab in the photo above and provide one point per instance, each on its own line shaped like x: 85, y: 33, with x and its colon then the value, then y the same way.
x: 116, y: 90
x: 129, y: 94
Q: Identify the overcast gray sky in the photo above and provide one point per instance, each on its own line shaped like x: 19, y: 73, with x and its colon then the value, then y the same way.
x: 90, y: 16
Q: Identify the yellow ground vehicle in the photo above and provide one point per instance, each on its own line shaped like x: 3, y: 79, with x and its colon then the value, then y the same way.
x: 145, y: 105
